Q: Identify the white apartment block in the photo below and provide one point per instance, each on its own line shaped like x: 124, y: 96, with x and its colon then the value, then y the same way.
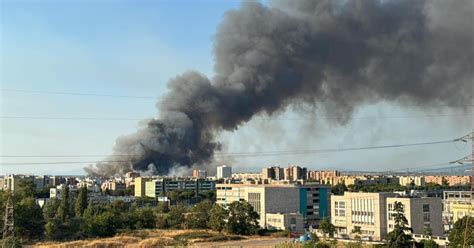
x: 364, y: 210
x: 421, y: 213
x: 224, y: 171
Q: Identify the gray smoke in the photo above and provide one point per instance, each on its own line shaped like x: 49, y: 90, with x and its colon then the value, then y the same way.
x: 335, y: 55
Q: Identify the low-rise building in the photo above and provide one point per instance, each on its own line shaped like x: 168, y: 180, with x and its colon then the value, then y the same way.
x: 112, y: 185
x: 310, y: 200
x: 285, y: 221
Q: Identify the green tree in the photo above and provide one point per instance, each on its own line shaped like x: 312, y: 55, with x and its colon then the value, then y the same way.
x: 400, y: 236
x: 198, y: 217
x: 176, y: 216
x: 462, y: 234
x: 29, y: 221
x: 64, y: 210
x: 339, y: 189
x: 429, y: 243
x: 50, y: 209
x: 327, y: 228
x: 217, y: 218
x: 81, y: 201
x: 243, y: 220
x: 53, y: 229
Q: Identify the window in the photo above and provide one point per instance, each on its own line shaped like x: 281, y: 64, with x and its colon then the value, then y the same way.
x: 254, y: 200
x: 426, y: 207
x: 293, y: 221
x: 340, y: 208
x: 426, y: 217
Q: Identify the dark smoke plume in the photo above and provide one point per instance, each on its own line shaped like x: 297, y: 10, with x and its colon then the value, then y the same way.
x: 335, y: 55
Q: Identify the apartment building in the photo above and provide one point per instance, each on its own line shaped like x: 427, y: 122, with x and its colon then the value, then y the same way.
x: 223, y: 172
x: 140, y: 186
x: 310, y: 200
x: 412, y: 180
x: 462, y: 209
x: 364, y: 210
x: 450, y: 198
x: 161, y: 186
x: 275, y: 173
x: 323, y: 176
x: 199, y: 173
x: 295, y: 173
x: 422, y: 213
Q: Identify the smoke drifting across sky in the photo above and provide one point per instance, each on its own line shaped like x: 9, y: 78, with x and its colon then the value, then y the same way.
x: 334, y: 55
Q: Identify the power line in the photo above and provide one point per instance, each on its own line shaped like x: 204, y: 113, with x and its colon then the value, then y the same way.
x: 236, y: 154
x: 257, y: 119
x: 74, y: 93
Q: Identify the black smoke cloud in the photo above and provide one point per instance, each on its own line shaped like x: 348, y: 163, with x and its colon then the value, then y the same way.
x: 335, y: 55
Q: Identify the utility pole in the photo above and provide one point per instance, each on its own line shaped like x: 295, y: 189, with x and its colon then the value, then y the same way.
x: 8, y: 221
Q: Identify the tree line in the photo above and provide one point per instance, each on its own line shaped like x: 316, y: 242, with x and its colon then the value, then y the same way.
x: 71, y: 218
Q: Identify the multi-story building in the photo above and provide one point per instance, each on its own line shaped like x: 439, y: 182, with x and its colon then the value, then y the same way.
x: 422, y: 213
x: 200, y: 173
x: 364, y: 210
x: 295, y: 173
x: 310, y: 200
x: 159, y: 187
x: 275, y: 173
x: 112, y: 185
x: 450, y: 198
x: 323, y: 176
x: 42, y: 182
x: 223, y: 172
x: 247, y: 176
x: 11, y: 181
x: 412, y: 180
x: 462, y: 209
x: 140, y: 186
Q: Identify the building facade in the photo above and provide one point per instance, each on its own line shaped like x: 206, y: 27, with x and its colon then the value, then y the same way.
x: 159, y: 187
x: 223, y: 172
x: 364, y: 210
x: 311, y: 201
x: 423, y: 214
x: 285, y: 221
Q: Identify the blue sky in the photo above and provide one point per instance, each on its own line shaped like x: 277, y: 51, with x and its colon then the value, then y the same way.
x: 133, y: 48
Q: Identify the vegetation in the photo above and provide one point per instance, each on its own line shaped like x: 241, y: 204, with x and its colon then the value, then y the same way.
x: 462, y: 234
x: 400, y: 236
x: 339, y: 189
x: 72, y: 218
x: 327, y: 227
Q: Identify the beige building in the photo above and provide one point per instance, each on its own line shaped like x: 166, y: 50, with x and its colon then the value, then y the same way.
x: 364, y: 210
x: 421, y: 213
x: 450, y: 199
x: 285, y: 221
x: 408, y: 180
x: 462, y: 209
x: 310, y: 200
x: 140, y: 186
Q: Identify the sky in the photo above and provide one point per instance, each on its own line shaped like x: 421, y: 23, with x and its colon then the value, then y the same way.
x: 104, y: 49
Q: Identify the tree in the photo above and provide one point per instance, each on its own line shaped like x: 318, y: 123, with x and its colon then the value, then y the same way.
x: 327, y: 228
x: 429, y: 243
x: 50, y: 209
x: 81, y: 201
x: 176, y: 216
x: 462, y: 234
x: 198, y: 217
x: 64, y: 208
x: 339, y: 189
x: 427, y: 230
x: 217, y: 218
x: 29, y: 221
x: 243, y: 220
x: 400, y: 236
x: 358, y: 231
